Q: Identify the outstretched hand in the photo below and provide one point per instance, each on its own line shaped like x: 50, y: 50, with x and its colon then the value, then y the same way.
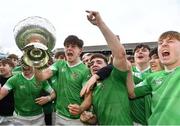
x: 94, y: 17
x: 89, y: 85
x: 86, y: 89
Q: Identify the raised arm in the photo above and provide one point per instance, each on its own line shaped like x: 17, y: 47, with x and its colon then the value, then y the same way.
x: 112, y: 40
x: 130, y: 81
x: 130, y: 85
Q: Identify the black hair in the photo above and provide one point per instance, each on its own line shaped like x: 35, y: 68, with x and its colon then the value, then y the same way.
x: 74, y: 40
x: 154, y: 51
x: 7, y: 61
x: 13, y: 56
x: 98, y: 55
x: 141, y: 46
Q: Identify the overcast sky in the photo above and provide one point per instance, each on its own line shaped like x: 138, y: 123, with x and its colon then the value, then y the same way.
x: 132, y: 20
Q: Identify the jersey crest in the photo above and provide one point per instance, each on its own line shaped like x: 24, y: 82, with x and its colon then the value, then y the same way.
x: 74, y: 75
x: 137, y: 74
x: 63, y: 69
x: 22, y: 87
x: 159, y: 81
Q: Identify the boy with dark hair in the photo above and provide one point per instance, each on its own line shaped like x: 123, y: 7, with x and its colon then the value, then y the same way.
x: 74, y: 40
x: 140, y: 107
x: 110, y: 97
x: 71, y: 76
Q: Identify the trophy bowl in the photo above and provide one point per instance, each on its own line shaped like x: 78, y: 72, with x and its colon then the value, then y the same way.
x: 35, y: 36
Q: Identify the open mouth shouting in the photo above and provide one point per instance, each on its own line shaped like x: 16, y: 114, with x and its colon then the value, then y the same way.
x: 140, y: 57
x: 165, y: 54
x: 69, y: 54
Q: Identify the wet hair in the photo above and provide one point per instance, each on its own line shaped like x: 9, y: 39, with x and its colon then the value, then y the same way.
x: 154, y: 51
x: 13, y: 56
x: 98, y: 55
x: 6, y: 61
x: 141, y: 46
x: 170, y: 35
x: 74, y: 40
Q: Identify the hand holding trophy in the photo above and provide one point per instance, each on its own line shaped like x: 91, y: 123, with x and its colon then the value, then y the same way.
x: 35, y: 36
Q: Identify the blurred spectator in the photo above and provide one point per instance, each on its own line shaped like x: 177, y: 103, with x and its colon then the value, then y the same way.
x: 59, y: 56
x: 14, y: 58
x: 155, y: 63
x: 6, y: 104
x: 130, y: 58
x: 86, y: 57
x: 110, y: 59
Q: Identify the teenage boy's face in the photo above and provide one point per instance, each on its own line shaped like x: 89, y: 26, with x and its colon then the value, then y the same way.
x: 97, y: 64
x: 86, y: 59
x: 169, y: 52
x: 155, y: 63
x: 72, y: 52
x: 141, y: 55
x: 15, y: 61
x: 27, y: 70
x: 4, y: 69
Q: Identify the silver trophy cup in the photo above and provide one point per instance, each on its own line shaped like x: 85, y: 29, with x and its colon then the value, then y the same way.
x: 35, y: 36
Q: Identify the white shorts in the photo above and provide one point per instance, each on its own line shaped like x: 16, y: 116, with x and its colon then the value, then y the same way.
x: 61, y: 120
x: 6, y: 120
x: 29, y: 120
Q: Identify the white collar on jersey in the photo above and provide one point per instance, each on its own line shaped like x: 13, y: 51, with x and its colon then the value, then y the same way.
x: 74, y: 64
x: 168, y: 71
x: 26, y: 77
x: 143, y: 70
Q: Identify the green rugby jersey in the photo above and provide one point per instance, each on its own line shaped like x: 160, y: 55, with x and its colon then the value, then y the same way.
x: 70, y: 80
x: 110, y: 100
x: 165, y: 88
x: 25, y: 92
x: 140, y: 106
